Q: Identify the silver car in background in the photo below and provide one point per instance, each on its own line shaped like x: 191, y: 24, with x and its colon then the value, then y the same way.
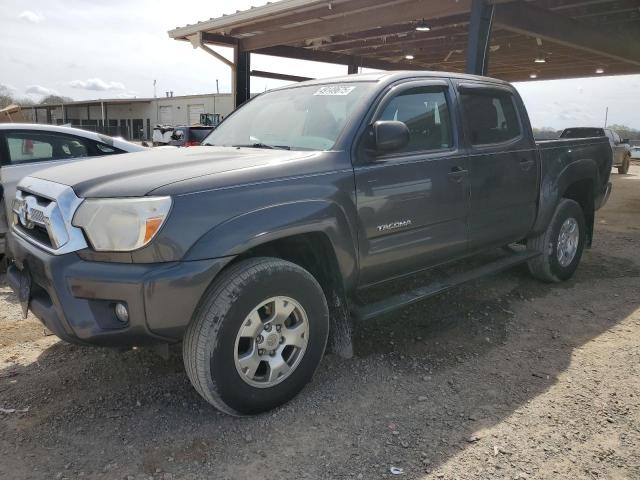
x: 26, y: 148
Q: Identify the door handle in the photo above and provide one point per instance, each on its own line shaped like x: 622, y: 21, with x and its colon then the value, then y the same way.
x: 456, y: 174
x: 526, y: 164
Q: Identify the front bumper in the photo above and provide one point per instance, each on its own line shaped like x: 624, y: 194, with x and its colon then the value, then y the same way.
x: 75, y: 299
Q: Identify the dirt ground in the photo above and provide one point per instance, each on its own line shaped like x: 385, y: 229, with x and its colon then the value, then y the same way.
x: 506, y: 378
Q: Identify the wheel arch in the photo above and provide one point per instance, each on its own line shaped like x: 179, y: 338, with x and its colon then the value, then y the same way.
x: 577, y: 181
x: 314, y: 235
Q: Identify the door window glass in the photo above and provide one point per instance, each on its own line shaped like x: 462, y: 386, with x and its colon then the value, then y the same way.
x: 426, y: 114
x: 27, y: 147
x: 491, y: 117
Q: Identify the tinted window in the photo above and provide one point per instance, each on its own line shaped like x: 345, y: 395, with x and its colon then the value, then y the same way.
x: 425, y: 113
x: 199, y: 134
x: 582, y: 133
x: 491, y: 117
x: 27, y: 147
x: 616, y: 137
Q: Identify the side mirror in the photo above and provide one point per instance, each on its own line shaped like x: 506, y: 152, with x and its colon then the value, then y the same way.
x: 390, y: 136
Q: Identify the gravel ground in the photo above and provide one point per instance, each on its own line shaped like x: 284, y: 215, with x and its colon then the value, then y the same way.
x: 506, y: 378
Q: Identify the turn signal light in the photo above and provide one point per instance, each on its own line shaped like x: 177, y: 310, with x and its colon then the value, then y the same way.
x: 152, y: 226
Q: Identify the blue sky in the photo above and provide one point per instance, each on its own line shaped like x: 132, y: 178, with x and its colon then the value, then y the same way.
x: 116, y: 48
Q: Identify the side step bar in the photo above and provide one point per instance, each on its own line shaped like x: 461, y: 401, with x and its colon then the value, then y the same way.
x: 367, y: 312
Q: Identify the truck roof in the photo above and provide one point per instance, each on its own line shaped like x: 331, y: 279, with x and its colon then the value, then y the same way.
x: 393, y: 76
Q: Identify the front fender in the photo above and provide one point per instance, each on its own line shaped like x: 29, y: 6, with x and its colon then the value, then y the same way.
x: 243, y: 232
x: 555, y: 183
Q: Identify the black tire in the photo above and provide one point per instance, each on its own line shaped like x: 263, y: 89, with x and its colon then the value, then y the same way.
x: 624, y: 168
x: 209, y: 343
x: 547, y: 267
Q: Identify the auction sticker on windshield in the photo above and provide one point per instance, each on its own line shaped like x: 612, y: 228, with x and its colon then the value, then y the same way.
x: 339, y: 90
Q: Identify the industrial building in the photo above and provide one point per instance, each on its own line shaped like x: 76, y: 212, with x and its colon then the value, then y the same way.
x: 132, y: 118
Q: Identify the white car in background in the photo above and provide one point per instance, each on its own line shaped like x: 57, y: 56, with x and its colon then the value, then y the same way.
x: 26, y: 148
x: 635, y: 153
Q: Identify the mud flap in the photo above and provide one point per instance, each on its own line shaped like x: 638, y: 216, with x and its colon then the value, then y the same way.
x: 341, y: 329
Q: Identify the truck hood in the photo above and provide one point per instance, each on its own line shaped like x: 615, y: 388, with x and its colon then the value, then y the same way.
x: 173, y: 171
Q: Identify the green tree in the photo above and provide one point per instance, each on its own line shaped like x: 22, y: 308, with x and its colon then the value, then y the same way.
x: 54, y: 100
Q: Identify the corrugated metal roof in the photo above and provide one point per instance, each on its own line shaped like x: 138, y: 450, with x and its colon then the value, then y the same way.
x: 241, y: 17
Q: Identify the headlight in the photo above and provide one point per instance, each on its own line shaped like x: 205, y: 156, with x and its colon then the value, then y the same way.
x: 121, y: 224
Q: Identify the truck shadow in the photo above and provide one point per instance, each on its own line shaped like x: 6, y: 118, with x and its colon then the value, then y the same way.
x: 422, y: 383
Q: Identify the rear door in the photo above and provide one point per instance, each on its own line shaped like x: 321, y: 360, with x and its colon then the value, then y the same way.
x: 413, y: 204
x: 503, y: 165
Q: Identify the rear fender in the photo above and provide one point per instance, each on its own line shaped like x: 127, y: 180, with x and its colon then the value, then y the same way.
x: 252, y: 229
x: 556, y: 182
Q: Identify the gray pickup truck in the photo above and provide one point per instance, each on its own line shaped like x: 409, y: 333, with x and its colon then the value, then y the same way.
x: 256, y: 250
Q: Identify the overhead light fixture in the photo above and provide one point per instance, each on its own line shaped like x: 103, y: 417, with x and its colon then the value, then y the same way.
x: 422, y: 26
x: 533, y: 75
x: 540, y: 59
x: 599, y: 70
x: 409, y: 57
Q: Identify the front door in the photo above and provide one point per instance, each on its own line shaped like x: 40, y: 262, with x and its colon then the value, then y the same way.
x: 413, y: 204
x: 503, y: 166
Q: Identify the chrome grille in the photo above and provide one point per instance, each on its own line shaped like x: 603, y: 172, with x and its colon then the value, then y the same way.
x: 43, y: 212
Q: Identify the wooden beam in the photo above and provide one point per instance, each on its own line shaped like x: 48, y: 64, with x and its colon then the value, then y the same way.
x: 523, y: 18
x: 410, y: 38
x: 324, y: 10
x: 405, y: 11
x: 335, y: 58
x: 279, y: 76
x: 217, y: 39
x: 382, y: 34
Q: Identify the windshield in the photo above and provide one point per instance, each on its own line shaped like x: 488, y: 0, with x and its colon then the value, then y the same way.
x: 582, y: 133
x: 302, y: 118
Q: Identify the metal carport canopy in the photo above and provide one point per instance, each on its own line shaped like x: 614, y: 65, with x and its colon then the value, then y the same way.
x: 513, y: 40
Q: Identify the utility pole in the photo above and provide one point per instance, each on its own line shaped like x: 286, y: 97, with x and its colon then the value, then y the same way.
x: 606, y: 117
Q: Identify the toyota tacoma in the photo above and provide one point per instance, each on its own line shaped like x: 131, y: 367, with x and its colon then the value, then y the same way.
x: 257, y: 249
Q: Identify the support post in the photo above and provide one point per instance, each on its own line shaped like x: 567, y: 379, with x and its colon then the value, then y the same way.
x: 241, y: 77
x: 479, y: 36
x: 352, y: 69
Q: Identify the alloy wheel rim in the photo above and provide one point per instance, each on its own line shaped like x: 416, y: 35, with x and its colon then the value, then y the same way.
x: 271, y: 342
x: 568, y: 240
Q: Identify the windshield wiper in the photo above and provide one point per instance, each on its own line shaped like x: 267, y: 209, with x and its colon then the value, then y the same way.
x: 264, y: 145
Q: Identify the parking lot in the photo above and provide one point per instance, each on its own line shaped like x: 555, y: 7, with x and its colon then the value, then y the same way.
x: 504, y: 378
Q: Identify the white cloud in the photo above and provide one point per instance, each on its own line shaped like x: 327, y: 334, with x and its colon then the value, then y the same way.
x: 40, y: 90
x: 96, y: 84
x: 32, y: 17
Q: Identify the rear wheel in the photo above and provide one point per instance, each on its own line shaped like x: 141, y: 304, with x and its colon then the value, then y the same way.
x: 258, y: 336
x: 624, y: 168
x: 561, y: 245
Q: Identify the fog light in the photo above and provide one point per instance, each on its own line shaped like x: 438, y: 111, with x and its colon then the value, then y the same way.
x: 122, y: 313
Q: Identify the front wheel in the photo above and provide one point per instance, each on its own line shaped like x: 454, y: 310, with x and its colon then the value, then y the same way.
x: 257, y: 337
x: 561, y: 245
x: 624, y: 168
